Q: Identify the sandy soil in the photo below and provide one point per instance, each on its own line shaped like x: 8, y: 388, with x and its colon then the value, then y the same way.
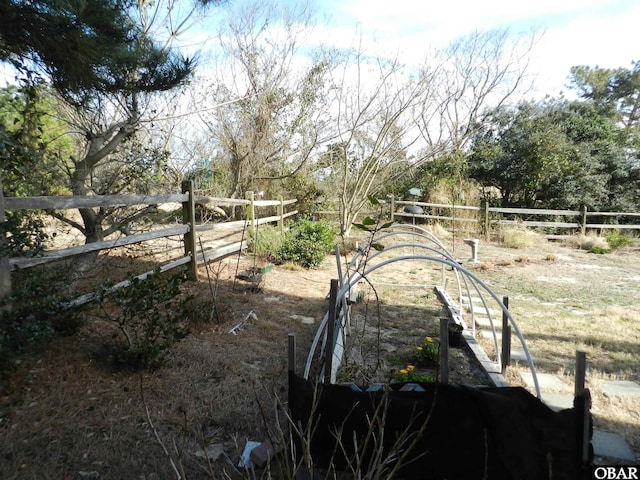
x: 65, y: 414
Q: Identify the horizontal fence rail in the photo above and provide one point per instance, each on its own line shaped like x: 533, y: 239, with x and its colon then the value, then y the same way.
x: 187, y: 232
x: 486, y: 218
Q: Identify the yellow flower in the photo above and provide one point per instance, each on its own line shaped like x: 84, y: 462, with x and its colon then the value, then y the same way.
x: 403, y: 371
x: 419, y: 349
x: 429, y: 339
x: 411, y: 368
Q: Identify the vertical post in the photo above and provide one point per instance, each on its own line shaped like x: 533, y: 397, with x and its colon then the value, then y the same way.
x: 487, y: 232
x: 292, y: 370
x: 581, y: 372
x: 506, y: 337
x: 251, y: 217
x: 582, y: 407
x: 393, y: 208
x: 584, y: 220
x: 5, y: 273
x: 444, y: 350
x: 281, y: 215
x: 189, y: 218
x: 331, y: 327
x: 292, y: 352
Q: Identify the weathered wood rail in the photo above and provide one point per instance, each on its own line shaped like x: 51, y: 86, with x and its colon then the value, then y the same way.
x: 485, y: 218
x: 186, y: 232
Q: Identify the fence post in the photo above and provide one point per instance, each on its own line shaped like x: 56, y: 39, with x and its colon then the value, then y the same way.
x: 251, y: 218
x: 485, y: 210
x: 444, y: 350
x: 189, y: 218
x: 281, y: 215
x: 584, y: 220
x: 5, y: 273
x: 331, y: 329
x: 506, y: 337
x: 393, y: 208
x: 582, y: 407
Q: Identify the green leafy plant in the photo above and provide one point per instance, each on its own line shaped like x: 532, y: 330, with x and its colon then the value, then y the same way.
x: 35, y: 309
x: 409, y: 374
x: 150, y: 317
x: 268, y: 240
x: 617, y: 240
x: 306, y: 243
x: 428, y: 353
x: 599, y: 250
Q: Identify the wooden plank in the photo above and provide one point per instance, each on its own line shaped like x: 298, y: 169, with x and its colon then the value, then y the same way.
x: 90, y: 297
x: 530, y: 223
x: 53, y: 255
x: 613, y: 214
x: 90, y: 201
x: 438, y: 205
x: 535, y: 211
x: 437, y: 217
x: 204, y: 200
x: 220, y: 252
x: 609, y: 226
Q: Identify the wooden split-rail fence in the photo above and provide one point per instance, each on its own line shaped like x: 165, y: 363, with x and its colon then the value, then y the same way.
x: 188, y: 230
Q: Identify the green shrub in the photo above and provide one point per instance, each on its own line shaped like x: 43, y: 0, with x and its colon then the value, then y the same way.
x: 306, y: 243
x: 269, y: 240
x: 35, y: 311
x: 150, y: 316
x: 617, y: 240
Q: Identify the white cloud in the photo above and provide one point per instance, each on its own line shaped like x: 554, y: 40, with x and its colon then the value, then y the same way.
x: 608, y: 42
x: 589, y: 32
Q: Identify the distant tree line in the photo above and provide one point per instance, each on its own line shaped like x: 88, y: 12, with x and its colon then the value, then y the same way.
x: 112, y: 106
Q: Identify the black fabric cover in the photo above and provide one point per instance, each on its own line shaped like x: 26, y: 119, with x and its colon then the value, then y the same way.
x: 461, y: 432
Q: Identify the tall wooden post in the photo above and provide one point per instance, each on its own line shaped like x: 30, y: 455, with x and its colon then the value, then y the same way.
x: 251, y: 218
x: 281, y: 215
x: 331, y: 329
x: 582, y: 408
x: 5, y: 273
x: 291, y: 343
x: 485, y: 211
x: 392, y: 201
x: 584, y: 220
x: 444, y: 350
x: 189, y: 218
x: 506, y: 337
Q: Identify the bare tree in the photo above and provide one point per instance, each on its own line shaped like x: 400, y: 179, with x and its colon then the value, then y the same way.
x: 268, y: 121
x: 481, y: 70
x: 372, y: 106
x: 390, y: 120
x: 109, y: 126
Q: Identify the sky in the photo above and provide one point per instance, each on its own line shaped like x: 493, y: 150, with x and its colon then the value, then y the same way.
x: 573, y: 32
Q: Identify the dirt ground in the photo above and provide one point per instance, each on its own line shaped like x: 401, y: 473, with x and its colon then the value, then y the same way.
x: 64, y: 414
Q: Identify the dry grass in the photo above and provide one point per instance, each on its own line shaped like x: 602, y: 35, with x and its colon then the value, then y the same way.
x: 579, y: 301
x: 519, y: 238
x: 64, y: 412
x: 589, y: 241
